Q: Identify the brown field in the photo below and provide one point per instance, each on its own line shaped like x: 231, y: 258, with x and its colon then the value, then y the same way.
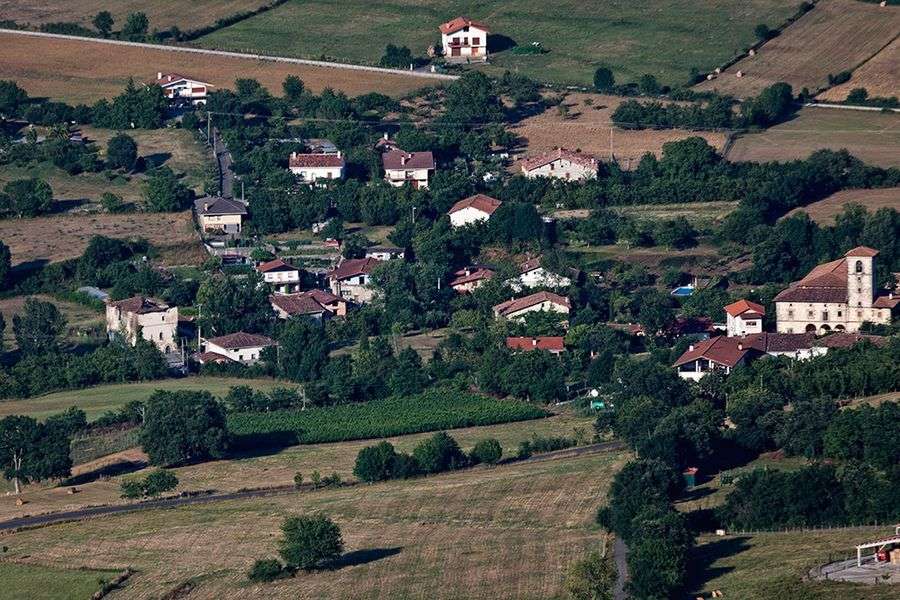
x: 272, y: 469
x: 86, y: 71
x: 163, y: 14
x: 873, y: 137
x: 587, y: 127
x: 62, y: 237
x: 837, y: 35
x: 502, y: 532
x: 824, y: 211
x: 880, y: 75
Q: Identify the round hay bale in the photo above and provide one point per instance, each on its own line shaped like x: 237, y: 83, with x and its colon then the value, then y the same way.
x: 709, y: 77
x: 752, y: 52
x: 739, y: 74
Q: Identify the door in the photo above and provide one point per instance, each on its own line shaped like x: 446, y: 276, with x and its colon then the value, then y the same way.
x: 454, y: 51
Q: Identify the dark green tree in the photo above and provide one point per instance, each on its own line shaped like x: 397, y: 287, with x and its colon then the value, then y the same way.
x: 122, y: 152
x: 603, y: 79
x: 103, y: 22
x: 439, y: 453
x: 26, y: 198
x: 5, y: 265
x: 304, y: 350
x: 183, y: 426
x: 39, y: 328
x: 375, y: 463
x: 136, y: 26
x: 487, y: 451
x: 310, y: 542
x: 30, y: 451
x: 164, y: 192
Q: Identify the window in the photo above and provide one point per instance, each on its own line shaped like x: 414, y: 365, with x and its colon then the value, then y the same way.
x: 790, y: 314
x: 809, y: 314
x: 859, y: 266
x: 476, y: 41
x: 160, y: 335
x: 824, y: 315
x: 840, y: 314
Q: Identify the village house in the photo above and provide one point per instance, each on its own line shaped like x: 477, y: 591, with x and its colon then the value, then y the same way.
x: 317, y: 168
x: 402, y: 167
x: 177, y: 88
x: 318, y: 304
x: 836, y: 296
x: 282, y: 277
x: 351, y: 278
x: 386, y: 144
x: 156, y: 321
x: 516, y: 309
x: 469, y: 279
x: 320, y: 146
x: 561, y: 164
x: 220, y: 216
x: 241, y: 347
x: 385, y: 253
x: 743, y: 318
x: 532, y: 274
x: 464, y: 40
x: 551, y: 344
x: 474, y: 209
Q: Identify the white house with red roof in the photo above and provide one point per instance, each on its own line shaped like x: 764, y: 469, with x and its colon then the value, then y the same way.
x: 532, y: 274
x: 561, y: 164
x: 464, y: 40
x: 743, y: 318
x: 547, y: 343
x: 402, y: 167
x: 351, y: 279
x: 241, y: 347
x: 177, y: 87
x: 469, y: 279
x: 317, y: 168
x: 517, y: 308
x: 474, y: 209
x: 836, y: 296
x: 283, y: 277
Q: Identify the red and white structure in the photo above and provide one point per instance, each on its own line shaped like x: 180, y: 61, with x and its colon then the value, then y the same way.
x: 561, y: 164
x: 474, y: 209
x: 180, y: 88
x: 744, y: 318
x: 282, y: 277
x: 402, y: 167
x: 464, y: 40
x: 317, y: 168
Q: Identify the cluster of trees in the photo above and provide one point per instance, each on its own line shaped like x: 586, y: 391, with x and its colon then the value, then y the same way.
x: 25, y: 198
x: 33, y: 451
x: 308, y: 543
x: 182, y: 427
x: 152, y: 485
x: 604, y: 227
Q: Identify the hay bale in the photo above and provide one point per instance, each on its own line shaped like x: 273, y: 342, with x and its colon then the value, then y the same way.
x: 739, y: 74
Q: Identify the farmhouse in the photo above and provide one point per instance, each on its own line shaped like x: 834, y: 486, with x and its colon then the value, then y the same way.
x: 836, y: 296
x: 351, y: 278
x: 464, y: 40
x: 532, y: 274
x: 402, y: 167
x: 156, y: 321
x: 245, y: 348
x: 385, y: 252
x: 284, y: 278
x: 470, y: 279
x: 743, y: 318
x: 220, y: 216
x: 551, y: 344
x: 179, y: 88
x: 562, y: 164
x: 317, y: 304
x: 313, y: 168
x: 516, y: 309
x: 474, y: 209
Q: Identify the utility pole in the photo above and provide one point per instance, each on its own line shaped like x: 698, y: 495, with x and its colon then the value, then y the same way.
x: 413, y: 214
x: 610, y: 143
x: 208, y: 121
x: 199, y: 314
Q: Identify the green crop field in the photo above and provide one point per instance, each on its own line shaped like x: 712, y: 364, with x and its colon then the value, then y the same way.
x: 97, y: 400
x: 665, y: 39
x: 42, y: 583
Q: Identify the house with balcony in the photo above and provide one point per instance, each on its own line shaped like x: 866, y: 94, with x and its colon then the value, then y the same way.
x: 464, y: 40
x: 180, y: 89
x: 402, y: 167
x: 281, y: 277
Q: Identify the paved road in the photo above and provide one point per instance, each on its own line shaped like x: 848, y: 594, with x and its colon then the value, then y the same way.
x: 284, y: 59
x: 99, y: 511
x: 224, y: 160
x: 620, y: 556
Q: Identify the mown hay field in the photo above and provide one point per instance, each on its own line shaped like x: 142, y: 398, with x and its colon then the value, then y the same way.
x: 880, y: 76
x: 587, y: 125
x: 86, y: 71
x: 35, y: 582
x: 501, y: 532
x: 163, y: 14
x: 824, y: 211
x: 873, y: 137
x: 837, y: 35
x: 666, y: 39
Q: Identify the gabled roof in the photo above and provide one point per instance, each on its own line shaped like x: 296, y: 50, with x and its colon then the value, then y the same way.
x: 140, y: 305
x: 513, y: 306
x: 728, y: 351
x: 888, y: 301
x: 477, y: 274
x: 275, y: 265
x: 297, y: 304
x: 212, y: 357
x: 460, y: 22
x: 323, y: 297
x: 397, y: 160
x: 736, y: 309
x: 846, y: 340
x: 219, y: 206
x: 825, y: 283
x: 313, y: 161
x: 352, y: 267
x: 539, y: 160
x: 481, y: 202
x: 236, y: 341
x: 549, y: 343
x: 529, y: 265
x: 862, y: 251
x: 168, y: 79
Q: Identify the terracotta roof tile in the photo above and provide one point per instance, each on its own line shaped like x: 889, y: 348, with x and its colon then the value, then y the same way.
x: 396, y: 160
x: 312, y: 161
x: 515, y: 305
x: 481, y: 202
x: 354, y: 266
x: 743, y: 306
x: 539, y: 160
x: 139, y: 305
x: 297, y: 304
x: 549, y: 343
x: 234, y: 341
x: 460, y: 22
x: 275, y: 265
x: 862, y: 251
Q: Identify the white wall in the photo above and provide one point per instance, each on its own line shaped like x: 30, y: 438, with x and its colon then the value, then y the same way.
x: 563, y: 169
x: 467, y: 216
x: 468, y: 49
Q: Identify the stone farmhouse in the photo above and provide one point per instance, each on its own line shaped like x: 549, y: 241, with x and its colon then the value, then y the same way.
x: 220, y: 216
x: 561, y: 164
x: 516, y: 309
x: 351, y: 279
x: 241, y: 347
x: 464, y: 40
x: 316, y: 168
x: 178, y: 88
x: 402, y: 167
x: 744, y: 318
x: 316, y: 304
x: 282, y: 277
x: 474, y: 209
x: 836, y: 296
x: 156, y: 321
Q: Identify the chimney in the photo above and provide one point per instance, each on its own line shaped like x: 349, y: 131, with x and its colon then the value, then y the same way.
x: 534, y: 342
x: 169, y: 78
x: 403, y: 159
x: 691, y: 348
x: 159, y: 74
x: 340, y: 154
x: 740, y: 345
x: 293, y: 155
x: 385, y: 136
x: 206, y: 206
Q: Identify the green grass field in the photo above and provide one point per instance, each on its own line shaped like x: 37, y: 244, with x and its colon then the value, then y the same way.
x: 665, y: 39
x: 97, y: 400
x: 34, y: 582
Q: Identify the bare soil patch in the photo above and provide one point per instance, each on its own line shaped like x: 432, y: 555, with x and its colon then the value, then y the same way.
x: 880, y: 75
x: 87, y: 71
x: 837, y: 35
x: 588, y: 125
x: 824, y: 211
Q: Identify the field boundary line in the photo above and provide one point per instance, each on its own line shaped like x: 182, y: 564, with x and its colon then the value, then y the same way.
x: 849, y: 107
x: 241, y: 55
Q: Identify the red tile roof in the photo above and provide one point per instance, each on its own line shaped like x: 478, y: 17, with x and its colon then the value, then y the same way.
x: 545, y: 158
x: 460, y: 22
x: 322, y: 297
x: 728, y: 351
x: 311, y: 161
x: 481, y: 202
x: 549, y: 343
x: 397, y: 160
x: 234, y: 341
x: 846, y: 340
x: 515, y: 305
x: 352, y: 267
x: 740, y: 307
x: 473, y: 275
x: 170, y: 78
x: 297, y: 304
x: 139, y: 305
x: 890, y: 301
x: 275, y: 265
x: 862, y: 251
x: 825, y: 283
x: 212, y: 357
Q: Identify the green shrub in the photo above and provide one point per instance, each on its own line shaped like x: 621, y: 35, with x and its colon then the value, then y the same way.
x: 265, y: 570
x: 486, y: 451
x: 439, y: 453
